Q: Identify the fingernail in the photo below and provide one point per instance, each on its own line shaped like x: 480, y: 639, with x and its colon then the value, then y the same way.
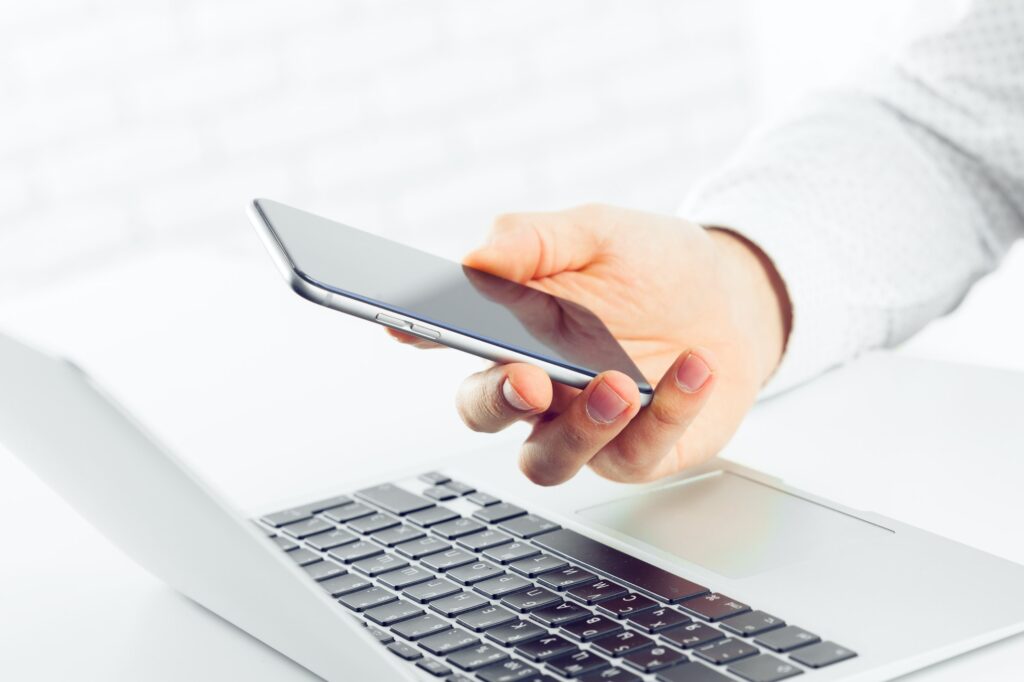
x: 513, y: 398
x: 605, y: 405
x: 692, y: 374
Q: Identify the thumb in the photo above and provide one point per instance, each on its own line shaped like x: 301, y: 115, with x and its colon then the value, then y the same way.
x: 526, y: 246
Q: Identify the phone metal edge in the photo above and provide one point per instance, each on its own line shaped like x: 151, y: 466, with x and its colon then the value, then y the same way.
x: 369, y: 312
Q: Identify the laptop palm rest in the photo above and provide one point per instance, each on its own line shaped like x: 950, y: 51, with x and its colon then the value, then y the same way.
x: 732, y: 525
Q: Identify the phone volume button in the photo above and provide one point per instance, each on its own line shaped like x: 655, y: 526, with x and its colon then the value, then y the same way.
x: 425, y: 332
x: 395, y: 322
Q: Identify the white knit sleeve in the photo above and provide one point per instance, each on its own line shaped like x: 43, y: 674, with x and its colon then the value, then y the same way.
x: 882, y: 204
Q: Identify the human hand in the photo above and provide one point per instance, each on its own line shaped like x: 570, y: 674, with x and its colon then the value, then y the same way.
x: 702, y: 309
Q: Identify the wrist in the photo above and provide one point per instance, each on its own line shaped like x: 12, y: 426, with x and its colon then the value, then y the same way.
x: 762, y: 295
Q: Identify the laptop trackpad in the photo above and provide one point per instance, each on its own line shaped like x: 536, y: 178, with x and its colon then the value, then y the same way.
x: 730, y: 524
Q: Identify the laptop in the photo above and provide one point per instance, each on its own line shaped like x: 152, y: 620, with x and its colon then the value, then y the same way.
x: 457, y: 571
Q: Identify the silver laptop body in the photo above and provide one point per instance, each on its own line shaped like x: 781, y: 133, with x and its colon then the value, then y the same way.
x: 895, y: 596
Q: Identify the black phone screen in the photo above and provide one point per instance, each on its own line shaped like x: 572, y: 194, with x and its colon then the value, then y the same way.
x: 445, y: 294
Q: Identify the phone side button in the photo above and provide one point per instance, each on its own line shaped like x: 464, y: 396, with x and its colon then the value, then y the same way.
x: 425, y: 332
x: 392, y: 321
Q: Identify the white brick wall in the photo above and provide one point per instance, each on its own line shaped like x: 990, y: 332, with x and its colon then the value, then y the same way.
x: 128, y: 122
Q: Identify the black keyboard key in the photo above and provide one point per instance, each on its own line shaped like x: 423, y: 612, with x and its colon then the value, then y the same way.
x: 476, y: 657
x: 405, y: 577
x: 367, y: 599
x: 349, y: 512
x: 529, y: 526
x: 328, y: 503
x: 458, y: 603
x: 496, y: 513
x: 397, y: 535
x: 509, y: 671
x: 639, y: 575
x: 546, y: 647
x: 612, y: 674
x: 394, y: 612
x: 431, y: 590
x: 435, y: 668
x: 420, y: 626
x: 434, y: 478
x: 456, y: 528
x: 691, y: 672
x: 391, y: 498
x: 593, y: 627
x: 821, y: 655
x: 566, y: 578
x: 560, y: 614
x: 322, y: 570
x: 433, y: 516
x: 499, y: 586
x: 417, y: 549
x: 513, y: 634
x: 404, y: 651
x: 508, y: 553
x: 382, y: 636
x: 373, y: 523
x: 471, y: 574
x: 284, y: 543
x: 383, y: 563
x: 626, y: 606
x: 460, y: 488
x: 482, y: 499
x: 485, y: 618
x: 485, y: 539
x: 654, y: 658
x: 355, y: 551
x: 656, y: 620
x: 448, y: 641
x: 331, y: 539
x: 283, y: 518
x: 786, y: 638
x: 752, y: 623
x: 344, y: 584
x: 713, y: 606
x: 577, y: 663
x: 725, y: 651
x: 445, y: 561
x: 303, y: 557
x: 530, y: 599
x: 440, y: 493
x: 598, y: 591
x: 764, y: 668
x: 303, y: 529
x: 538, y: 565
x: 622, y: 643
x: 692, y: 635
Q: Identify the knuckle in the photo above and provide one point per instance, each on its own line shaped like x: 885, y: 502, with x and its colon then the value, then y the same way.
x: 537, y: 474
x: 613, y: 468
x: 590, y: 208
x: 574, y: 436
x: 480, y: 408
x: 504, y: 222
x: 665, y: 416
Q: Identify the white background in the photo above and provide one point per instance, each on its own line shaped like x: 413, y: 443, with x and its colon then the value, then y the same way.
x: 128, y: 125
x: 133, y: 133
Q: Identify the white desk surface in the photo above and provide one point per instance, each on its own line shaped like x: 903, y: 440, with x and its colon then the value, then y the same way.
x: 257, y: 389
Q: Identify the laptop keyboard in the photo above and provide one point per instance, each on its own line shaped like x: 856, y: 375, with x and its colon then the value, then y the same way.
x: 499, y: 594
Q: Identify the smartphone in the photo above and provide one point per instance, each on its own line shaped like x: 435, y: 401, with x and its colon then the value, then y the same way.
x: 421, y: 294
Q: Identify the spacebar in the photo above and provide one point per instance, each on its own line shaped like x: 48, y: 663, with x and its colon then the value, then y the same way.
x: 639, y: 575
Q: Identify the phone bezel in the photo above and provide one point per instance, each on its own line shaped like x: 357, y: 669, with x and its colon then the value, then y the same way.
x: 352, y: 304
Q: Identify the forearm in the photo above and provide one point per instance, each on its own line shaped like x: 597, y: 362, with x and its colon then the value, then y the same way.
x: 880, y: 206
